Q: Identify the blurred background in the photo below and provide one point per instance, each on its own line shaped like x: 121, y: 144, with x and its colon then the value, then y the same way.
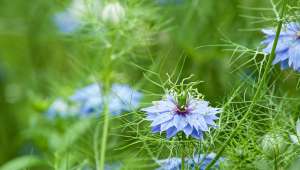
x: 43, y: 57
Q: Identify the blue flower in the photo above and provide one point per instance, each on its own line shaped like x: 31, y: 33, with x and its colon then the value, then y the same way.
x: 66, y: 22
x: 198, y: 161
x: 121, y: 98
x: 194, y: 117
x: 169, y: 164
x: 288, y: 47
x: 58, y: 108
x: 89, y: 99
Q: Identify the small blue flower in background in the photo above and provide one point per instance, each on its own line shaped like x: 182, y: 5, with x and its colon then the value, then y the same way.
x: 89, y: 99
x: 193, y: 118
x: 169, y: 164
x: 199, y: 161
x: 121, y: 98
x: 288, y: 47
x: 66, y: 22
x: 58, y: 108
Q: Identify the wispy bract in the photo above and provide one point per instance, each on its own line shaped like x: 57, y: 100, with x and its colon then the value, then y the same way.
x: 288, y: 47
x: 193, y: 117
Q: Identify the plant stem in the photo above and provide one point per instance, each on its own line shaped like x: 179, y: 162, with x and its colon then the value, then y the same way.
x: 258, y: 91
x: 182, y: 152
x: 104, y: 136
x: 96, y: 145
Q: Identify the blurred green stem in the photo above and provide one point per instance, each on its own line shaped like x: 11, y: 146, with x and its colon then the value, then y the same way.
x: 104, y: 136
x: 261, y: 83
x: 96, y: 145
x: 183, y: 152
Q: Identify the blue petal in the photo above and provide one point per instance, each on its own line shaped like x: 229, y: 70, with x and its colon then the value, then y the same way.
x: 171, y: 132
x: 179, y: 122
x: 284, y: 64
x: 156, y: 129
x: 281, y: 56
x: 167, y: 125
x: 197, y: 134
x: 188, y: 130
x: 293, y: 26
x: 282, y: 44
x: 294, y: 53
x: 269, y: 32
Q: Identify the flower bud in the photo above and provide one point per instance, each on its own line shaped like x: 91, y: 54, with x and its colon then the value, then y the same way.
x: 113, y: 13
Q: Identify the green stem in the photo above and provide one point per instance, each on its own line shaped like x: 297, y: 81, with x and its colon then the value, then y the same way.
x: 96, y: 145
x: 258, y: 91
x: 182, y: 161
x: 183, y: 152
x: 104, y: 136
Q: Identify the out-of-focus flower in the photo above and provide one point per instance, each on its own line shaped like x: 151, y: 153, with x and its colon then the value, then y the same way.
x: 89, y: 99
x: 113, y: 13
x: 169, y: 164
x: 193, y: 116
x: 288, y: 47
x: 121, y: 98
x: 66, y: 22
x: 197, y: 162
x: 58, y: 108
x: 295, y: 138
x: 72, y: 18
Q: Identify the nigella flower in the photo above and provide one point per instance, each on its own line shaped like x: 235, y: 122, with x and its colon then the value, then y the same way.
x: 288, y: 46
x: 58, y: 108
x: 198, y: 162
x: 121, y: 98
x: 193, y: 116
x: 90, y: 99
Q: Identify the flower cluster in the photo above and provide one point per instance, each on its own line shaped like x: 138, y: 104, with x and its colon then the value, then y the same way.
x: 193, y: 116
x: 89, y: 100
x: 197, y: 162
x: 287, y: 50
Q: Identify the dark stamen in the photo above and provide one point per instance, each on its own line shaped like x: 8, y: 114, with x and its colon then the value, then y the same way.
x: 182, y: 111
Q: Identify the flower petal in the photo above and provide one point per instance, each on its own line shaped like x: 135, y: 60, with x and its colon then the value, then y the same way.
x: 171, y: 132
x: 294, y: 54
x: 188, y: 130
x: 179, y: 122
x: 161, y: 119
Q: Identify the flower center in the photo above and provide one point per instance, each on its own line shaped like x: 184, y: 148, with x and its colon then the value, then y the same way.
x: 183, y: 111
